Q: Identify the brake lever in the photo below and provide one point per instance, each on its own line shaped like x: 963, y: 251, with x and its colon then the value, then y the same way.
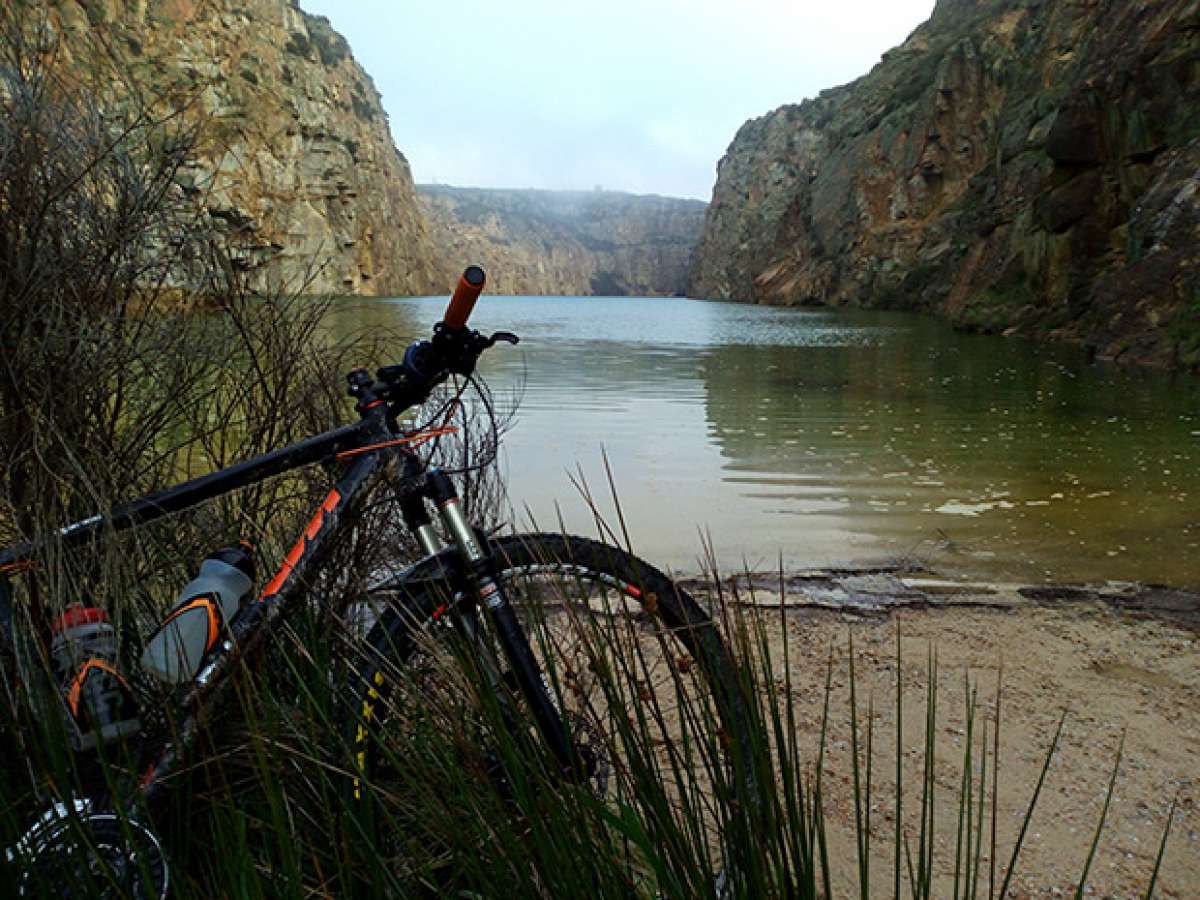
x: 421, y: 358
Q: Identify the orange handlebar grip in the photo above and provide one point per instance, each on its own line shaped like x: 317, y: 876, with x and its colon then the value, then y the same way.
x: 470, y: 285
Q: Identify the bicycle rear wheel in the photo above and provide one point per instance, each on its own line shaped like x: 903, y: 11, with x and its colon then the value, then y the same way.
x: 646, y: 688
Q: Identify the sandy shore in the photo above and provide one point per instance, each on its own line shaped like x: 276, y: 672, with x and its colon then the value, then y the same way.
x: 1113, y: 671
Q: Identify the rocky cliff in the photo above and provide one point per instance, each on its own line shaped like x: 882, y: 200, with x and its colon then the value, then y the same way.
x: 565, y: 242
x: 294, y: 160
x: 1029, y: 166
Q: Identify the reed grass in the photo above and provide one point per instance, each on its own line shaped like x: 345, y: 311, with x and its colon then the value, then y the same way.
x: 472, y: 807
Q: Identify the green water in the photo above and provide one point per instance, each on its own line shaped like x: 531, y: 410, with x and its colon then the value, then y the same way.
x: 828, y: 437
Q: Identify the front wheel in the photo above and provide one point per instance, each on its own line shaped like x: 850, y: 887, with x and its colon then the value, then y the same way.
x: 647, y: 692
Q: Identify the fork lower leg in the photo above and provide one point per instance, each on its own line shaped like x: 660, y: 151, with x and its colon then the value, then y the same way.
x: 513, y: 640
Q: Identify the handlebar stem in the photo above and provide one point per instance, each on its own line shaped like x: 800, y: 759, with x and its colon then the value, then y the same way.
x: 362, y: 388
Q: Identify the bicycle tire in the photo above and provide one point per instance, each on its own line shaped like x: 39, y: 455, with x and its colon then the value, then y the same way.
x: 98, y: 856
x: 661, y: 613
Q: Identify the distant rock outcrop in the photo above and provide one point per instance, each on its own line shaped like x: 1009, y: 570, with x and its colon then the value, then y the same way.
x: 565, y: 242
x: 1018, y: 165
x: 294, y: 161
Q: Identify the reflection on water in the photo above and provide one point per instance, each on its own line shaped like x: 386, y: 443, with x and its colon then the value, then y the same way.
x: 831, y: 436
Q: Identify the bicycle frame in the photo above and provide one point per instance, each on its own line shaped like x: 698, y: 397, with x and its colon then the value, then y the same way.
x: 367, y: 447
x: 373, y: 446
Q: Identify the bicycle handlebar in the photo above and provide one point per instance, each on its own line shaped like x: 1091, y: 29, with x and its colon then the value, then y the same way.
x: 470, y: 285
x: 454, y: 349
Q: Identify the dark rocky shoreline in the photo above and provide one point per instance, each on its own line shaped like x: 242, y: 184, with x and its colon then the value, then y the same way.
x: 881, y: 590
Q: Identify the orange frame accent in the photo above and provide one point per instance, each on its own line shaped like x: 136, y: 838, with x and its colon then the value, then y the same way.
x: 297, y: 551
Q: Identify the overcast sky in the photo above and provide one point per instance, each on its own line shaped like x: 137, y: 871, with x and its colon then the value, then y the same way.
x: 632, y: 95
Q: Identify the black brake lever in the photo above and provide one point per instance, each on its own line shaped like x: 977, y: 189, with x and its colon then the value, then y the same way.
x: 423, y: 358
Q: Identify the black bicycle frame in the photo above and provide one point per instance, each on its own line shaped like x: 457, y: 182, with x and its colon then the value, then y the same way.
x: 368, y: 446
x: 198, y: 490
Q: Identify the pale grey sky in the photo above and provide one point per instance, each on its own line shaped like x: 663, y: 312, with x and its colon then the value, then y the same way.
x: 632, y: 95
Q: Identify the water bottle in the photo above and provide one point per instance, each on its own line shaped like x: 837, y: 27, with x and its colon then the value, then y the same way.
x: 205, y: 605
x: 83, y: 652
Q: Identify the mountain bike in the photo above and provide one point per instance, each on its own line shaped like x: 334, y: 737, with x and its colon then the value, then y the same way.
x: 507, y: 599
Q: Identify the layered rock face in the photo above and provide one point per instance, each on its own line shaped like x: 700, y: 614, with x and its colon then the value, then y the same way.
x: 1030, y: 166
x: 294, y: 160
x: 565, y: 242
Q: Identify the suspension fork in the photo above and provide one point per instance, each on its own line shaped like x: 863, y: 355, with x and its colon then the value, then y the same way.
x: 412, y: 508
x: 481, y: 569
x: 464, y: 611
x: 417, y: 520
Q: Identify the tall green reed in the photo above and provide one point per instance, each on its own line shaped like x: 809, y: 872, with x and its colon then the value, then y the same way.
x: 471, y: 806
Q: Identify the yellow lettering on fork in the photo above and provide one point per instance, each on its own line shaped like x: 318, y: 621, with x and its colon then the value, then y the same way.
x: 360, y: 735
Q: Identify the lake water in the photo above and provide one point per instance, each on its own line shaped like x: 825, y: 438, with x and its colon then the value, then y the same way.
x: 827, y: 437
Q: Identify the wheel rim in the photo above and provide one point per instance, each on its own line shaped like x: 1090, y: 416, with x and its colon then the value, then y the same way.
x: 99, y: 856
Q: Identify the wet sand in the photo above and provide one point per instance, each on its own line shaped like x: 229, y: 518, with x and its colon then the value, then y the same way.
x: 1113, y: 671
